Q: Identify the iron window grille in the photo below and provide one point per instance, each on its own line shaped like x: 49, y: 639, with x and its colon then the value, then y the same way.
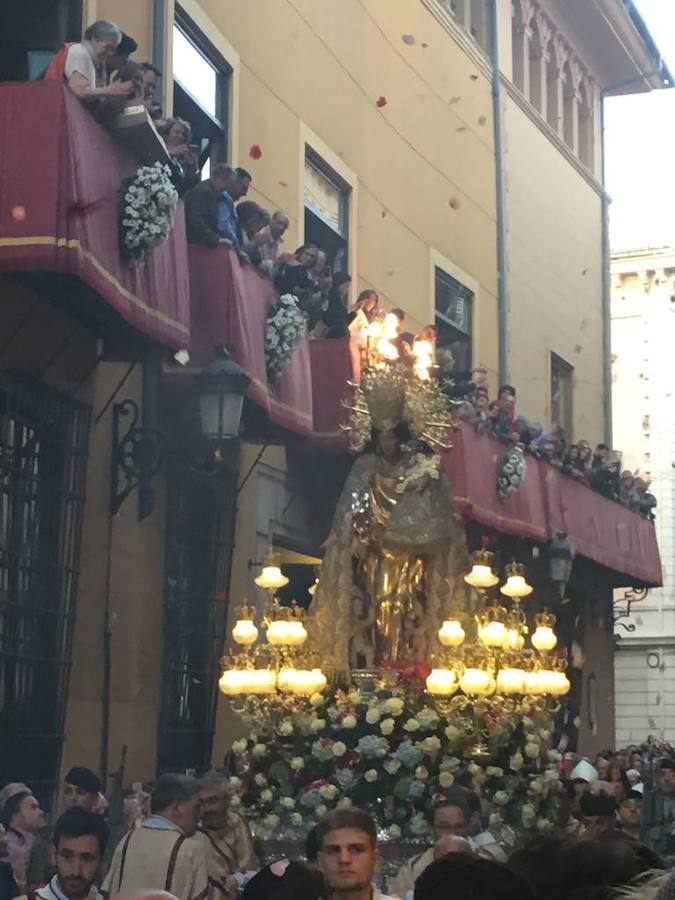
x: 43, y: 457
x: 201, y: 514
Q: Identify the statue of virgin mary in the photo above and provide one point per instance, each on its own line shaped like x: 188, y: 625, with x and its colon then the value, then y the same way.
x: 395, y: 547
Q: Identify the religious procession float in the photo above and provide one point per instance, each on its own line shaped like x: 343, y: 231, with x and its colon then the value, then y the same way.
x: 414, y: 669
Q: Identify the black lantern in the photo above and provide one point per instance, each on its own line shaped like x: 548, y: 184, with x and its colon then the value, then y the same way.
x: 221, y: 385
x: 560, y: 558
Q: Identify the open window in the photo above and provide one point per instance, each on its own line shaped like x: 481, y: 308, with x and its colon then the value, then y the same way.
x: 201, y: 77
x: 31, y: 31
x: 326, y: 210
x: 454, y: 318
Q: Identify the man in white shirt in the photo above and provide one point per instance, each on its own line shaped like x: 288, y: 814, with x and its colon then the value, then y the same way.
x: 348, y: 854
x: 79, y: 840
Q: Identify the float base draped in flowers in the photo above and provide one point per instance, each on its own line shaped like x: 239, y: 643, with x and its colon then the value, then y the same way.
x: 394, y: 755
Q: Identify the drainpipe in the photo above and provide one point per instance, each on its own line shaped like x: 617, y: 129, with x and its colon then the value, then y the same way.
x: 606, y: 292
x: 499, y: 193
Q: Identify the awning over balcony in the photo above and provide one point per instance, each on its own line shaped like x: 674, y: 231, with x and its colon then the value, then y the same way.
x: 60, y: 172
x: 229, y: 301
x: 549, y: 502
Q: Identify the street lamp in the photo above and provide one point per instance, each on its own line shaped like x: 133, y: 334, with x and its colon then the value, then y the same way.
x: 221, y: 386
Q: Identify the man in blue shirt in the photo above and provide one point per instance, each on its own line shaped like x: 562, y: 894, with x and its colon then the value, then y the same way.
x: 236, y: 188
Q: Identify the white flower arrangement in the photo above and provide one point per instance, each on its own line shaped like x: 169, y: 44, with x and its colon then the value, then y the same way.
x: 286, y: 327
x: 147, y: 207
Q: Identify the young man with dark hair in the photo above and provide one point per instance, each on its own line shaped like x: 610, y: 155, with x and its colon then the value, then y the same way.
x: 79, y: 840
x: 464, y: 876
x: 347, y: 854
x: 81, y: 787
x: 163, y: 854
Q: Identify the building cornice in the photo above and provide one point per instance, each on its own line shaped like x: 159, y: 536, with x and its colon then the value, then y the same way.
x: 553, y: 136
x: 630, y: 29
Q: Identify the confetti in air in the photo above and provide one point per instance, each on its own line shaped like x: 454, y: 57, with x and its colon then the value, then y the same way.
x: 408, y: 39
x: 255, y: 152
x: 381, y: 101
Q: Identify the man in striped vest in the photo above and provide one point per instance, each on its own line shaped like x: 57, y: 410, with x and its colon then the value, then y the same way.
x: 162, y: 854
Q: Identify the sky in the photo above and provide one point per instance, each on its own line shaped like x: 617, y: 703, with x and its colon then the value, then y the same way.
x: 640, y: 147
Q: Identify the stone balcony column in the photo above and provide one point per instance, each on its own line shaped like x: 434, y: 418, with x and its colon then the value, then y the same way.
x: 539, y: 60
x: 555, y: 85
x: 572, y: 105
x: 523, y: 14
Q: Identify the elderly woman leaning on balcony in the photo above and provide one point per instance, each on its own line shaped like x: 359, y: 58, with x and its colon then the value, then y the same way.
x: 84, y: 64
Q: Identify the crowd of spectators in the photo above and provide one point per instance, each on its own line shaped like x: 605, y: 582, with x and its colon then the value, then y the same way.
x: 599, y: 468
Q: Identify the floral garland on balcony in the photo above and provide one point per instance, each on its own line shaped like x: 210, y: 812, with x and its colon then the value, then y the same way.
x: 147, y: 205
x: 395, y: 756
x: 285, y: 329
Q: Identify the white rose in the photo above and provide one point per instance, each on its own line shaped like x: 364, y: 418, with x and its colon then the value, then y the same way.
x: 235, y: 801
x: 328, y: 791
x: 339, y: 749
x: 495, y: 821
x: 516, y: 762
x: 239, y: 747
x: 543, y: 824
x: 317, y: 724
x: 528, y: 813
x: 411, y: 725
x: 349, y: 722
x: 451, y: 764
x: 266, y: 796
x: 260, y: 779
x: 391, y: 766
x: 422, y: 773
x: 354, y: 697
x: 387, y: 726
x: 344, y: 803
x: 394, y: 706
x: 532, y: 739
x: 394, y: 832
x: 287, y: 802
x: 286, y: 727
x: 234, y: 782
x: 271, y: 821
x: 371, y: 775
x: 553, y: 755
x: 494, y: 771
x: 473, y: 769
x: 501, y: 798
x: 373, y: 715
x: 532, y: 751
x: 452, y: 733
x: 321, y: 810
x: 431, y: 744
x: 317, y: 700
x: 446, y: 779
x: 259, y: 750
x: 296, y: 819
x: 297, y: 763
x: 544, y: 734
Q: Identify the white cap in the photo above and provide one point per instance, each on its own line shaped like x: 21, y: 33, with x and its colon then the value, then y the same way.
x: 584, y: 771
x: 639, y: 788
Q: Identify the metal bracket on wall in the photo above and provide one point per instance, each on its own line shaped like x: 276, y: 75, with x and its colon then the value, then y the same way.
x: 137, y: 456
x: 630, y: 596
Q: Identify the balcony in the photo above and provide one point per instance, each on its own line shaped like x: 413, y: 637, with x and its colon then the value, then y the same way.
x: 59, y: 178
x: 60, y: 172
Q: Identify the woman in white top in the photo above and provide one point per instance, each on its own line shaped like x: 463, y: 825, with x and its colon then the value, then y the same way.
x: 85, y: 66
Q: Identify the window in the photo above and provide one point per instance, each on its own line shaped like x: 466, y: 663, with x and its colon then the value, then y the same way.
x: 200, y: 90
x: 326, y: 211
x: 43, y: 453
x: 561, y: 395
x: 200, y: 537
x: 454, y: 318
x: 31, y: 31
